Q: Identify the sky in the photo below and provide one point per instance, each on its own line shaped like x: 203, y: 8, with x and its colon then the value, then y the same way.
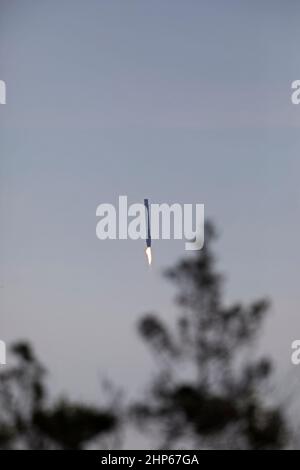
x: 177, y: 101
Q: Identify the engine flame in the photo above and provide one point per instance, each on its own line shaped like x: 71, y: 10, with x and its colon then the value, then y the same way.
x: 149, y: 255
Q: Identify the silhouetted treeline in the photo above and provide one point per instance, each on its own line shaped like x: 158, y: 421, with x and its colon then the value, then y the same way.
x: 27, y: 421
x: 209, y: 389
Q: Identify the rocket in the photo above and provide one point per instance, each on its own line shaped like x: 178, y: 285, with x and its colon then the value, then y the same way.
x: 148, y: 239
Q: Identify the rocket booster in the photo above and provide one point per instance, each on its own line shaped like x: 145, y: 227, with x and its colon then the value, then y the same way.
x: 148, y: 239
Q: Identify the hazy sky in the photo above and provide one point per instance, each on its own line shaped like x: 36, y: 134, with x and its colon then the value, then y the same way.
x: 178, y: 101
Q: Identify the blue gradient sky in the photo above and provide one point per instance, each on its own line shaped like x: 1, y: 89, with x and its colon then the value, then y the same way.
x: 178, y: 101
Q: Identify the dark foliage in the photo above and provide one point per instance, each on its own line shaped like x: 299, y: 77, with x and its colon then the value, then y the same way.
x: 208, y: 388
x: 27, y: 421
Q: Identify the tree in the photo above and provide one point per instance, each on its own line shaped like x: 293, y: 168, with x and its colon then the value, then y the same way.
x: 209, y: 388
x: 28, y: 422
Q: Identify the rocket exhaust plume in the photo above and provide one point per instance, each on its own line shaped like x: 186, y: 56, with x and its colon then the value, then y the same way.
x: 148, y: 239
x: 149, y: 254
